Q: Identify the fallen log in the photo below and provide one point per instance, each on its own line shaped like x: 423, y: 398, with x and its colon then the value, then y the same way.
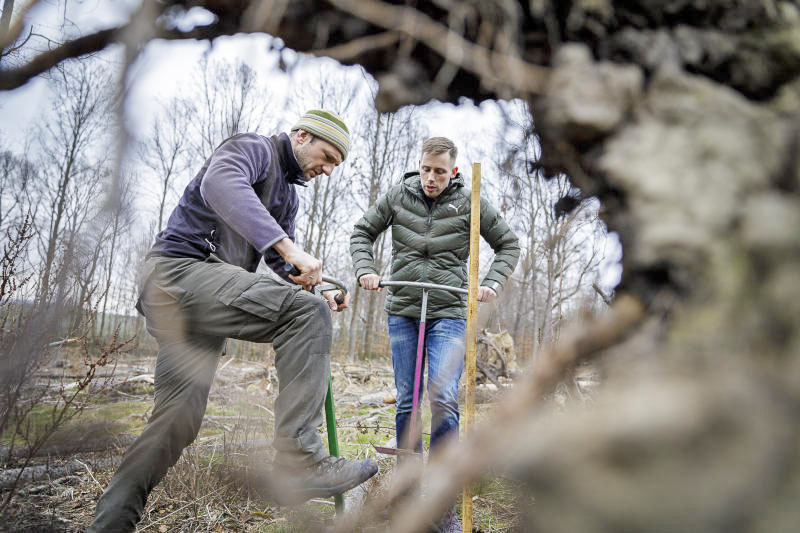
x: 63, y: 449
x: 16, y: 477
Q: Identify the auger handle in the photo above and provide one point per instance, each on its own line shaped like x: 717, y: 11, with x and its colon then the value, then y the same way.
x: 339, y: 298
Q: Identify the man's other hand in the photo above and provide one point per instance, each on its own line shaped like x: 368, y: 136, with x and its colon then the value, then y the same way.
x: 486, y: 294
x: 331, y: 297
x: 370, y: 282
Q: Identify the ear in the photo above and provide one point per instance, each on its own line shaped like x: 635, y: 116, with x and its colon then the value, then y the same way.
x: 455, y: 171
x: 419, y: 162
x: 302, y: 136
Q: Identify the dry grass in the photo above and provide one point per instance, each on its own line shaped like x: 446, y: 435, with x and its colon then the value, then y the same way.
x: 201, y: 492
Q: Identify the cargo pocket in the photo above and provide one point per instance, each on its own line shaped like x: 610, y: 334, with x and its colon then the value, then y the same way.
x: 261, y: 296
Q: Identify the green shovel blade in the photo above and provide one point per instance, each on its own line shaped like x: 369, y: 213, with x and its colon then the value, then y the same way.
x: 333, y: 441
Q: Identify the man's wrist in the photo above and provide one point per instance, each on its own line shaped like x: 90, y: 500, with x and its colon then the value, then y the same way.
x: 284, y: 247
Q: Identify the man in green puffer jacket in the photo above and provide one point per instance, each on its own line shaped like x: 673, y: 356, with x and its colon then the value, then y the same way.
x: 429, y: 213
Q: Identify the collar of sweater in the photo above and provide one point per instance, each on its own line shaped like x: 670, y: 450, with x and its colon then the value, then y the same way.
x: 291, y: 168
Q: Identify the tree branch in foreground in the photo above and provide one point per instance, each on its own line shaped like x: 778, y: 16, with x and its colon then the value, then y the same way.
x: 11, y: 79
x: 461, y: 463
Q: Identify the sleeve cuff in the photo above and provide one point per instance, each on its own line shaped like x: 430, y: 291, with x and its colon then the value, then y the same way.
x: 496, y: 287
x: 271, y: 243
x: 363, y: 272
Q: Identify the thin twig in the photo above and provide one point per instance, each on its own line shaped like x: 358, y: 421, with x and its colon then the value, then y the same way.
x: 602, y: 294
x: 193, y: 502
x: 266, y: 409
x: 91, y: 475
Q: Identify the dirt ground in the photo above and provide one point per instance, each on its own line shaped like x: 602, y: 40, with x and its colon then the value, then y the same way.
x: 201, y: 492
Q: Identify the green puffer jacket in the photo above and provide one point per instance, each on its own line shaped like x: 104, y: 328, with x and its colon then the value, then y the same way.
x: 431, y: 245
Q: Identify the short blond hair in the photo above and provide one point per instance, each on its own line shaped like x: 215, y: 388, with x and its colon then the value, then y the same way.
x: 440, y: 145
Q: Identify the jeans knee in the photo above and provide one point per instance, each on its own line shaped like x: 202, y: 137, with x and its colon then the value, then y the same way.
x: 403, y: 408
x: 442, y: 406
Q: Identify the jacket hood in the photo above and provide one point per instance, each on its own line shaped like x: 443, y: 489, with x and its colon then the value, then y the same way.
x: 412, y: 183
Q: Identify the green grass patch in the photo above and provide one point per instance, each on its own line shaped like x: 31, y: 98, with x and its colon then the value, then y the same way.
x: 119, y: 417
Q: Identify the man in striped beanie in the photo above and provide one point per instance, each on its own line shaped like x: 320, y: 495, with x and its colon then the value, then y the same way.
x: 199, y: 286
x: 322, y: 125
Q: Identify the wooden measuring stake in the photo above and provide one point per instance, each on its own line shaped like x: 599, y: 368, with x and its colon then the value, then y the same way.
x: 472, y: 325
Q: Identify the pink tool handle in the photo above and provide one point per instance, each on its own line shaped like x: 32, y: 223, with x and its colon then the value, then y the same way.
x: 418, y: 371
x: 417, y: 376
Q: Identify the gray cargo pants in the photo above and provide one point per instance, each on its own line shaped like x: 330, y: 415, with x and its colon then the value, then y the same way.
x: 191, y: 307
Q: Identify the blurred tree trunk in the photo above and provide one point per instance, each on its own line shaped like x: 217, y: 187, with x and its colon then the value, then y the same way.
x: 5, y: 18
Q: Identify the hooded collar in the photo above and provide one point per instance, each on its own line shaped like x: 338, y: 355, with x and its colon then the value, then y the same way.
x: 412, y: 183
x: 291, y: 168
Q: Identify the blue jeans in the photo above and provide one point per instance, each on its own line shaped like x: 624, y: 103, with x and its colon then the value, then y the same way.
x: 444, y: 347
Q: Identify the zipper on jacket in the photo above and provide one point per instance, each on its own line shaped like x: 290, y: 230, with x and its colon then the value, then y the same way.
x: 210, y: 240
x: 427, y: 238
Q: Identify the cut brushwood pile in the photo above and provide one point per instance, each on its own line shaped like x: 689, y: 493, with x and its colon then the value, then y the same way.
x: 496, y: 357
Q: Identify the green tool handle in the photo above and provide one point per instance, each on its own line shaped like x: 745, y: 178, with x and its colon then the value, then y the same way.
x: 333, y: 441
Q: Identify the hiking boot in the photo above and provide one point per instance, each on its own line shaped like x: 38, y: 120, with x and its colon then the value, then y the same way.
x: 329, y: 477
x: 449, y: 523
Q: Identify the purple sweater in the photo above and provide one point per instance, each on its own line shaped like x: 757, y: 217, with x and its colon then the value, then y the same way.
x: 241, y: 202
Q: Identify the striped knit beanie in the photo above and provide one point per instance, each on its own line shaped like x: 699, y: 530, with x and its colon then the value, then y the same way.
x: 328, y: 126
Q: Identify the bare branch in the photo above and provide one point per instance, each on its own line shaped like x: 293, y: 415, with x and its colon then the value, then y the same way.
x: 11, y: 79
x: 87, y: 44
x: 14, y: 32
x: 356, y: 47
x: 602, y: 294
x: 4, y: 52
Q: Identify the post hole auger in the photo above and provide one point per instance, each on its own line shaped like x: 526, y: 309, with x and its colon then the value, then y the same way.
x: 418, y: 366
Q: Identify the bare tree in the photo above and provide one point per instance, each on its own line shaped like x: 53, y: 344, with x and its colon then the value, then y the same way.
x: 322, y: 207
x: 26, y: 332
x: 163, y: 152
x: 391, y: 141
x: 68, y: 164
x: 17, y: 177
x: 561, y: 249
x: 229, y: 100
x: 118, y: 217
